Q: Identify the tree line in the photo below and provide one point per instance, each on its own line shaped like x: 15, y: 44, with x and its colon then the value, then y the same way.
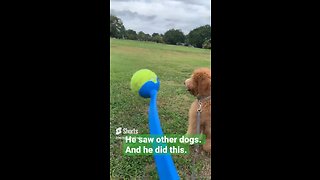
x: 199, y: 37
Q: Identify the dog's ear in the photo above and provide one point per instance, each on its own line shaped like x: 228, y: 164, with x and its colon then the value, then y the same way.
x: 202, y: 77
x: 204, y: 86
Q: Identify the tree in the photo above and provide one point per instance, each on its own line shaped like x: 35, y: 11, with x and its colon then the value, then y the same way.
x: 155, y: 34
x: 173, y: 36
x: 117, y: 29
x: 141, y: 36
x: 207, y: 44
x: 158, y: 39
x: 131, y: 34
x: 187, y: 43
x: 199, y: 35
x: 147, y: 37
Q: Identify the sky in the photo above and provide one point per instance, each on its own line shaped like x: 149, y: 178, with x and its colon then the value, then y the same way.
x: 158, y: 16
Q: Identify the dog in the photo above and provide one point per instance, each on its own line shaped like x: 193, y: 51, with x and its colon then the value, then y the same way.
x: 199, y: 85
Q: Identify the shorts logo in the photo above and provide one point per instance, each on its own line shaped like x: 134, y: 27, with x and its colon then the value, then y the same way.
x: 118, y: 131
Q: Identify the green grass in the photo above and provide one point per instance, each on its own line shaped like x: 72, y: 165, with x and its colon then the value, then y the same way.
x: 172, y: 64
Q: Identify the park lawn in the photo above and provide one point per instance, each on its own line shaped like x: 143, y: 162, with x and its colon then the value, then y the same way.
x: 172, y: 64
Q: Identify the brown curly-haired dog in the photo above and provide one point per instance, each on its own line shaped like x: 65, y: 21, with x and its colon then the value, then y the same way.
x: 199, y: 85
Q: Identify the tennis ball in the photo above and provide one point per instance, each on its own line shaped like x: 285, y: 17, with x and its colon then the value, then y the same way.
x: 143, y: 82
x: 140, y: 77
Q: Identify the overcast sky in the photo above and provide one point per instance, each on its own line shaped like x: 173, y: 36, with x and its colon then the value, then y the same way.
x: 158, y: 16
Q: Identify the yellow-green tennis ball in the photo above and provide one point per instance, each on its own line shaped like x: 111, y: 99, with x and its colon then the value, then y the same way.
x: 140, y: 77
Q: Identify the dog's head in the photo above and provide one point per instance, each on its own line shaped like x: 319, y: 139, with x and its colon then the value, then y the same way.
x: 199, y: 84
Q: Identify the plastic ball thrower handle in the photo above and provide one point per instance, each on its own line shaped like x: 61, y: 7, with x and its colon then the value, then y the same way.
x: 164, y: 163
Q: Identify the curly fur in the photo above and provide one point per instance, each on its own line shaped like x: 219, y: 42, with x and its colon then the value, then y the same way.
x: 199, y: 85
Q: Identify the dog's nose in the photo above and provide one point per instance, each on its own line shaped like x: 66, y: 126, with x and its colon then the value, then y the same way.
x: 184, y: 82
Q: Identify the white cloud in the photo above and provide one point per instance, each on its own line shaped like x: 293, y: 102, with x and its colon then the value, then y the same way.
x: 161, y: 15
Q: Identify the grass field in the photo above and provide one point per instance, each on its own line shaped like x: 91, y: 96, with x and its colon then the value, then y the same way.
x: 172, y: 64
